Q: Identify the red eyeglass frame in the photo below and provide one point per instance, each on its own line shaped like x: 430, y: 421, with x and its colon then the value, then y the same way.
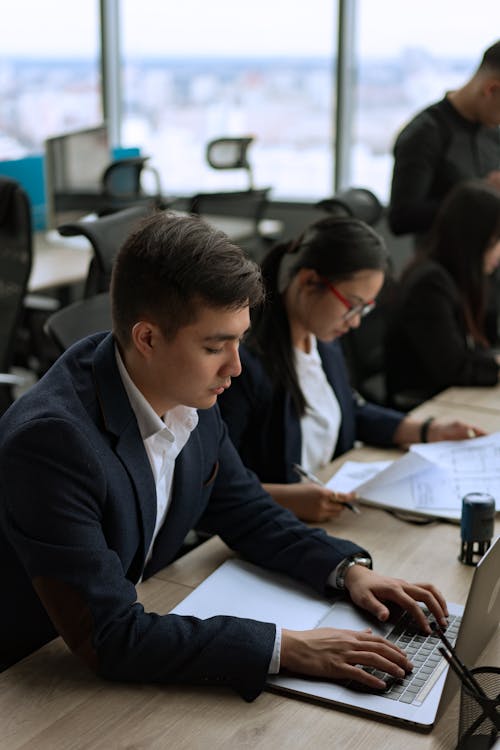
x: 362, y: 309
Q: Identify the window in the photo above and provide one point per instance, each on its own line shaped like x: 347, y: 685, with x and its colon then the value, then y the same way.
x: 49, y: 72
x: 198, y: 70
x: 408, y: 56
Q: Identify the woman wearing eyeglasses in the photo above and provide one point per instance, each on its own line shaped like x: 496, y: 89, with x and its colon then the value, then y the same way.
x: 292, y: 403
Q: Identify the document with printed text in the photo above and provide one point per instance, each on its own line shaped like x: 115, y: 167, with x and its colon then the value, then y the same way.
x: 431, y: 479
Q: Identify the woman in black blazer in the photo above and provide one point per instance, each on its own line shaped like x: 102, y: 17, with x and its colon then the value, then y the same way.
x: 293, y: 403
x: 439, y: 334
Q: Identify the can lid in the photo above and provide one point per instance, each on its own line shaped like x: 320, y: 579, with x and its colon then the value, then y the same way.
x: 478, y: 498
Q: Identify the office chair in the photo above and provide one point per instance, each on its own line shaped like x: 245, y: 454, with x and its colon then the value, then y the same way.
x: 106, y: 235
x: 246, y: 206
x: 123, y: 186
x: 356, y: 201
x: 230, y: 153
x: 80, y: 319
x: 15, y: 267
x: 291, y: 218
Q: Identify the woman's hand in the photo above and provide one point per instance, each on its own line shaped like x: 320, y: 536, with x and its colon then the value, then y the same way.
x: 370, y: 590
x: 310, y: 502
x: 337, y: 654
x: 409, y: 431
x: 452, y: 430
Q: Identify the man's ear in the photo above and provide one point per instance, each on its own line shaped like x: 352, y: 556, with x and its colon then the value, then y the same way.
x: 492, y: 87
x: 145, y: 336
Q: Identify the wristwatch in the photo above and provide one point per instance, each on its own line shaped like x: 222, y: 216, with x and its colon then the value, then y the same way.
x: 344, y: 566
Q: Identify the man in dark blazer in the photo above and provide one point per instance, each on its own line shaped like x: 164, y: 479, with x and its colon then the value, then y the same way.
x: 110, y: 459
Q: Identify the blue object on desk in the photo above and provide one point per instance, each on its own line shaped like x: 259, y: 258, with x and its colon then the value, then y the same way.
x: 30, y: 175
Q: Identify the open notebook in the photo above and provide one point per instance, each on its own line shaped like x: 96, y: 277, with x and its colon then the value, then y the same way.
x: 241, y: 589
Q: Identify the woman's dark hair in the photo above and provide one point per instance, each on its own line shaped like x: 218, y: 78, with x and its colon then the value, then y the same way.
x: 169, y: 266
x: 466, y: 226
x: 336, y: 248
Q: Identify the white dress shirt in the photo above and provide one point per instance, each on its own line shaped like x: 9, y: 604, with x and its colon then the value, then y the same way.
x: 163, y: 439
x: 321, y: 422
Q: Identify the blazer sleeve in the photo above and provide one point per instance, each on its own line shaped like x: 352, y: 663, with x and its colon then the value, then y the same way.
x: 251, y: 523
x: 375, y: 424
x: 431, y: 325
x: 55, y: 514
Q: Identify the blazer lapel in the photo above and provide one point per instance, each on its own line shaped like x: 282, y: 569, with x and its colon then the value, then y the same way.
x: 119, y: 420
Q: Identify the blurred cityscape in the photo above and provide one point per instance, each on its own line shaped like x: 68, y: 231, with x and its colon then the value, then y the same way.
x: 173, y: 107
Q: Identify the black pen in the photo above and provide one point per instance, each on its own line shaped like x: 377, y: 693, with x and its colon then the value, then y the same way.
x: 315, y: 480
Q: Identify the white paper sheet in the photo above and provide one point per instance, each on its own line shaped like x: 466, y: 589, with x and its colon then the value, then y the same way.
x: 432, y: 478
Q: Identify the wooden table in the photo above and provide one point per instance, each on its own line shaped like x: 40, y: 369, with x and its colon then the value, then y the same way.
x: 481, y: 399
x: 50, y: 702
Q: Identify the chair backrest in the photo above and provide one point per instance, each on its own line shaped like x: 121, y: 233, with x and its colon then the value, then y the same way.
x: 106, y: 235
x: 356, y: 201
x: 292, y: 217
x: 245, y: 204
x: 15, y: 263
x: 74, y: 322
x: 230, y: 153
x: 122, y: 180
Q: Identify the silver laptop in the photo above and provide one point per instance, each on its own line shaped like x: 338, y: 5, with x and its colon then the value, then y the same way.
x: 241, y: 589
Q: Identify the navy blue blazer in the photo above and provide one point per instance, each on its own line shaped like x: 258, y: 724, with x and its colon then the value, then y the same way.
x: 265, y: 427
x: 77, y: 513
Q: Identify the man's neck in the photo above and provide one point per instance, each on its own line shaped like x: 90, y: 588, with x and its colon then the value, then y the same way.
x: 464, y: 101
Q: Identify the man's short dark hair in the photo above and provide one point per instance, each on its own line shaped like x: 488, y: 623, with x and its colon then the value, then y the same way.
x: 169, y: 266
x: 491, y: 59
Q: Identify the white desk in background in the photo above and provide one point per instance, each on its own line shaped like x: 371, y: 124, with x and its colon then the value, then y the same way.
x: 58, y: 261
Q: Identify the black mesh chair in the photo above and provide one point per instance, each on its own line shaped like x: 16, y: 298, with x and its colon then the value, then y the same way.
x: 123, y: 185
x: 15, y: 268
x: 355, y: 201
x: 74, y: 322
x: 247, y: 206
x: 106, y: 235
x: 230, y: 153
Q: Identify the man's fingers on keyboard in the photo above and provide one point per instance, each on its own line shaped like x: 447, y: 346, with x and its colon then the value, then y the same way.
x: 371, y: 659
x: 422, y: 594
x: 364, y: 678
x: 382, y: 645
x: 437, y: 595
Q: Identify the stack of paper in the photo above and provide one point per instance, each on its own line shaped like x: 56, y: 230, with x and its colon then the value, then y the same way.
x: 431, y: 479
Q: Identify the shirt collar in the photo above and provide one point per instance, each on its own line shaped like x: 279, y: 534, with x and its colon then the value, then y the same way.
x: 147, y: 419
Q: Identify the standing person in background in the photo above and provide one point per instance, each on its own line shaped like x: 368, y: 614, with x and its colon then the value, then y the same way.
x: 292, y: 403
x: 437, y: 336
x: 455, y: 139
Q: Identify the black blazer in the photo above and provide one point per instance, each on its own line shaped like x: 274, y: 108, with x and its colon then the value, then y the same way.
x: 427, y: 347
x: 265, y: 427
x: 77, y: 513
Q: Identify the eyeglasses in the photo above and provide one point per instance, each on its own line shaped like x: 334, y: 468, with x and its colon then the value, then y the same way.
x: 361, y: 309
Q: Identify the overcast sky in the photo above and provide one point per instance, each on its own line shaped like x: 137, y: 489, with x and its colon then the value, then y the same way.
x: 248, y: 27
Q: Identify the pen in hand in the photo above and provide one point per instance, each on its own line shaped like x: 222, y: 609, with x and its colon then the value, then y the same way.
x: 315, y: 480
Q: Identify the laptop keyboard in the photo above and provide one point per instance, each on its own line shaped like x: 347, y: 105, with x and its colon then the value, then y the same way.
x: 422, y: 651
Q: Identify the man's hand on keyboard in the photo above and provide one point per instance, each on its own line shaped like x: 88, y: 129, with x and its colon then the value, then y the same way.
x: 370, y: 590
x: 339, y: 655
